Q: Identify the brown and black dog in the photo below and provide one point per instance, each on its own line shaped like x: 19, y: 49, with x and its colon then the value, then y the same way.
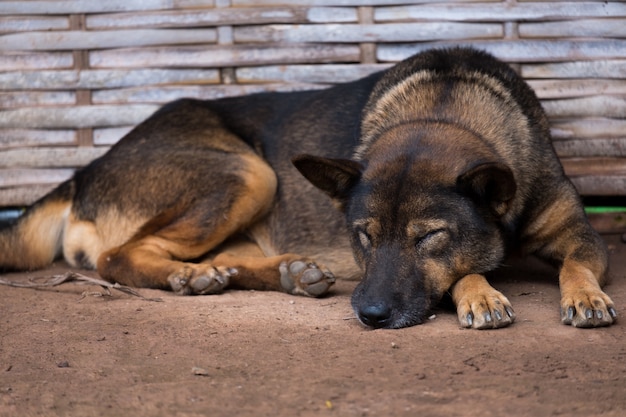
x: 439, y: 166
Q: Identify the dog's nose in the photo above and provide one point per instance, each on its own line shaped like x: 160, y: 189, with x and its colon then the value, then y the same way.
x: 375, y: 315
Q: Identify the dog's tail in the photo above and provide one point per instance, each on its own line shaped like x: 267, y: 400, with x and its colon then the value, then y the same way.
x: 35, y: 239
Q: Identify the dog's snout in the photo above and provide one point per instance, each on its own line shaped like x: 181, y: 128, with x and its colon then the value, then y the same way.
x: 375, y: 315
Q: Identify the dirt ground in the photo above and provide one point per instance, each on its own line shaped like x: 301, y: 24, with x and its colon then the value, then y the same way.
x: 67, y: 351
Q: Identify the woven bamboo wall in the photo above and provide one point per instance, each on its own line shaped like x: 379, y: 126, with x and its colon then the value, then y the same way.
x: 76, y: 75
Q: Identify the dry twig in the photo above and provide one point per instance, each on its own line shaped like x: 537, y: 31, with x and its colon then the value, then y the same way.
x: 55, y: 280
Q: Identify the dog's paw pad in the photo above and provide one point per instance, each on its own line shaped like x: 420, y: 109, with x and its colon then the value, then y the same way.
x: 588, y: 309
x: 486, y: 311
x: 305, y: 278
x: 200, y: 279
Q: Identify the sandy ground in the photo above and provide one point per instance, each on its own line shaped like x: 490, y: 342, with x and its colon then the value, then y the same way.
x: 67, y: 351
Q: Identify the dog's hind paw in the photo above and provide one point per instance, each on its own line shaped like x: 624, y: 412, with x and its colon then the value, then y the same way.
x: 305, y: 278
x: 200, y: 279
x: 587, y: 308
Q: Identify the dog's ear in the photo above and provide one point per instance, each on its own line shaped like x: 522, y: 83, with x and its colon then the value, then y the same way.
x: 491, y: 183
x: 333, y: 176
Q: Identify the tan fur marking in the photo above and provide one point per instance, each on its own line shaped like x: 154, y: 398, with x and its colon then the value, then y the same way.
x: 551, y: 221
x: 577, y: 276
x: 261, y: 183
x: 371, y: 225
x: 36, y: 241
x: 81, y: 237
x: 439, y: 279
x: 259, y: 232
x: 469, y: 285
x: 111, y: 229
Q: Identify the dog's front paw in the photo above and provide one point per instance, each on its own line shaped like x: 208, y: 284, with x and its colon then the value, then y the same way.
x: 200, y: 279
x: 305, y: 278
x: 485, y: 311
x: 479, y: 305
x: 587, y: 308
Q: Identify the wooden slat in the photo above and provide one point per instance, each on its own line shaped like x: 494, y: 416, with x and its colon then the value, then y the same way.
x: 581, y: 148
x: 597, y: 176
x: 589, y: 128
x: 170, y: 93
x: 45, y: 7
x: 521, y: 50
x: 398, y: 32
x: 20, y: 61
x: 105, y: 78
x: 24, y: 195
x: 610, y: 28
x: 59, y: 157
x: 577, y: 167
x: 608, y: 222
x: 221, y: 17
x: 36, y: 98
x: 64, y: 40
x: 546, y: 89
x: 331, y: 15
x: 28, y: 176
x: 191, y: 18
x: 109, y: 135
x: 500, y: 12
x: 244, y: 3
x: 222, y: 56
x: 597, y: 106
x: 75, y: 117
x: 600, y: 185
x: 613, y: 68
x: 30, y: 23
x: 14, y: 138
x: 324, y: 74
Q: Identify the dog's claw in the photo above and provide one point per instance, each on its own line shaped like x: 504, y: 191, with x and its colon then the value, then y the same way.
x: 487, y: 317
x: 305, y: 278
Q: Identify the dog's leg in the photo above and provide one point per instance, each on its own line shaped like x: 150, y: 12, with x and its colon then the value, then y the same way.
x: 151, y: 262
x: 289, y: 273
x: 562, y: 234
x: 479, y: 305
x: 156, y: 257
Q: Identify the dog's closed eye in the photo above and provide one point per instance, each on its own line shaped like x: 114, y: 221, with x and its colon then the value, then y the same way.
x: 430, y: 238
x: 364, y: 239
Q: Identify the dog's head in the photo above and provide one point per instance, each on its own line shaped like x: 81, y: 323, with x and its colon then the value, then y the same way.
x: 416, y: 226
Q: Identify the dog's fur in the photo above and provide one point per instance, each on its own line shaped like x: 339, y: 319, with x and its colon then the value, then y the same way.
x: 440, y: 165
